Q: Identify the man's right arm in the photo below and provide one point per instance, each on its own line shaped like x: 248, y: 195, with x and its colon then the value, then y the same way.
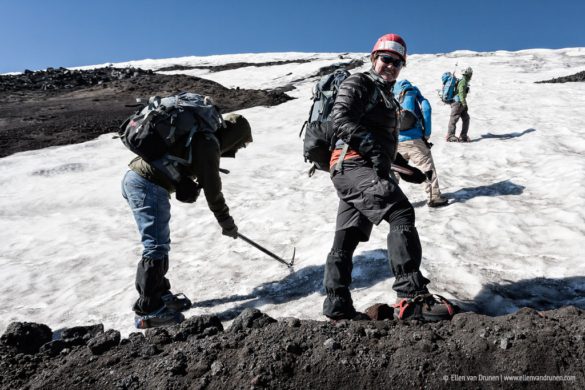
x: 206, y: 154
x: 206, y: 159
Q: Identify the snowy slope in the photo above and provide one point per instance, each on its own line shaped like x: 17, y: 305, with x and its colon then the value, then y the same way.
x: 512, y: 237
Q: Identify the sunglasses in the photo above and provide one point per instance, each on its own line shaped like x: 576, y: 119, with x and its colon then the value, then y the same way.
x: 397, y: 62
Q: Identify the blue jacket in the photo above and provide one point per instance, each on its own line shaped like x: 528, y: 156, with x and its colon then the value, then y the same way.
x: 415, y: 102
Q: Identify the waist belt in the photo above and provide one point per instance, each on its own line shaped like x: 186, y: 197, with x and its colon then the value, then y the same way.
x: 341, y: 153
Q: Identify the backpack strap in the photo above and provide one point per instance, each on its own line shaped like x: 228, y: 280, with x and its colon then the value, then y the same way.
x: 402, y: 93
x: 377, y: 93
x: 339, y: 165
x: 314, y: 98
x: 168, y: 168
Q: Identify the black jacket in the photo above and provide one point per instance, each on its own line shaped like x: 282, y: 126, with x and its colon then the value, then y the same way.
x: 204, y: 167
x: 373, y: 134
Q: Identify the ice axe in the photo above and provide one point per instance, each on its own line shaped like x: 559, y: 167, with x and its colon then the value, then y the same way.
x: 289, y: 265
x: 400, y: 169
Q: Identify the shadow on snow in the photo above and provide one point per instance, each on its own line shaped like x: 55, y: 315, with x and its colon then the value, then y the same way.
x: 369, y: 268
x: 505, y: 187
x: 507, y: 297
x: 504, y: 136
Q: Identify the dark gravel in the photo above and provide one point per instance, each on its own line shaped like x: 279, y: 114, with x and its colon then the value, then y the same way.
x: 233, y: 65
x: 565, y: 79
x: 61, y: 106
x: 541, y: 350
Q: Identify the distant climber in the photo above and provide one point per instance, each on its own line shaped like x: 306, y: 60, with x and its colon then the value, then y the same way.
x: 460, y: 109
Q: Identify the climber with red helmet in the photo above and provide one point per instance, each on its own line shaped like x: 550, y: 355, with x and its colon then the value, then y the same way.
x: 365, y: 122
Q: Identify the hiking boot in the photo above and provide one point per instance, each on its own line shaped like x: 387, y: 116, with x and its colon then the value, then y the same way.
x: 452, y: 138
x: 176, y: 302
x: 357, y: 316
x: 438, y: 202
x: 423, y: 307
x: 161, y: 317
x: 464, y: 138
x: 338, y: 305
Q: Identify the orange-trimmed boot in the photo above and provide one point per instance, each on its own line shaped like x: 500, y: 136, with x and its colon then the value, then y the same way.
x: 424, y: 307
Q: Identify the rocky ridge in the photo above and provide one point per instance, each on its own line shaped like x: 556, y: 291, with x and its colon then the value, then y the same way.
x: 527, y: 349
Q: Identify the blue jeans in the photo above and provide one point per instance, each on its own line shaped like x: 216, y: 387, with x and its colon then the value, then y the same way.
x: 152, y: 211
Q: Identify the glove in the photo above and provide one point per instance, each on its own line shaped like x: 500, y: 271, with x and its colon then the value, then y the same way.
x: 427, y: 143
x: 417, y: 175
x: 228, y: 227
x: 400, y: 161
x: 187, y: 190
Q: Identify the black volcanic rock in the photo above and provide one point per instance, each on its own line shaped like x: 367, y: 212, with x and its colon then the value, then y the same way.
x: 62, y: 106
x: 62, y: 78
x: 250, y: 318
x: 566, y: 79
x: 232, y: 65
x: 103, y: 342
x: 355, y: 63
x: 26, y: 337
x: 321, y: 355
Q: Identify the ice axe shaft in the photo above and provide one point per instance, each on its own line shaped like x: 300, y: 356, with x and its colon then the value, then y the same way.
x: 240, y: 235
x: 399, y: 169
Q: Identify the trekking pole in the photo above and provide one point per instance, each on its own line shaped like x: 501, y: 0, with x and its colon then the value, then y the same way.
x: 289, y: 265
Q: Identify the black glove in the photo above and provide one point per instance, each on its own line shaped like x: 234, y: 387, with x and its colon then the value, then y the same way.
x: 187, y: 190
x: 228, y: 227
x: 417, y: 175
x: 427, y: 143
x: 400, y: 161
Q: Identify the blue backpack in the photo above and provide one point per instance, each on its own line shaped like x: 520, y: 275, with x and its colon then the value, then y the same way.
x: 415, y: 110
x: 449, y: 89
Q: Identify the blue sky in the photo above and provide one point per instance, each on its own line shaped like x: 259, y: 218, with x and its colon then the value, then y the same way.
x: 37, y: 34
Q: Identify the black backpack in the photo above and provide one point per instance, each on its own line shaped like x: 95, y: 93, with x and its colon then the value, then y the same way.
x: 320, y: 138
x: 168, y: 124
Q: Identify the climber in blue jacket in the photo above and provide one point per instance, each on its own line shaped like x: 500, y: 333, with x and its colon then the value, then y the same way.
x: 415, y: 129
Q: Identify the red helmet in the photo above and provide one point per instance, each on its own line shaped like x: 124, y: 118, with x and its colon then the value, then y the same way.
x: 392, y: 43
